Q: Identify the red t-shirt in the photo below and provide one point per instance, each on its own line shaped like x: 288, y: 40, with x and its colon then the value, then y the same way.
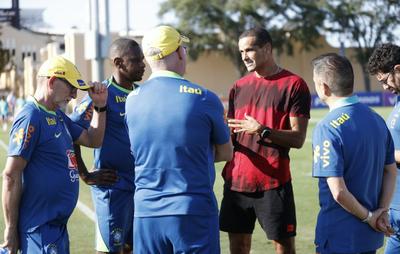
x: 271, y: 101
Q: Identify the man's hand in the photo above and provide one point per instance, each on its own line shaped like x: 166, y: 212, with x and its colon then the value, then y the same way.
x: 11, y: 240
x: 383, y: 224
x: 102, y: 177
x: 380, y: 221
x: 248, y: 125
x: 98, y: 93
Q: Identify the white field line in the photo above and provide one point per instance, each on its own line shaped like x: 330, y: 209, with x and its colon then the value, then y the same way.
x: 3, y: 145
x: 86, y: 211
x: 81, y: 206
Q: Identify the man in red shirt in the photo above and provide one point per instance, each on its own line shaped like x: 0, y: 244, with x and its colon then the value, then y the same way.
x: 268, y: 112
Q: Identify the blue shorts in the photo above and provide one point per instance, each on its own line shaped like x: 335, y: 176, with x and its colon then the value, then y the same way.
x: 176, y: 234
x: 393, y: 243
x: 46, y: 239
x: 114, y: 211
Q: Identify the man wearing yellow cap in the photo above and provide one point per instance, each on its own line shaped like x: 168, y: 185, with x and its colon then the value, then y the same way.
x: 40, y: 179
x: 177, y: 131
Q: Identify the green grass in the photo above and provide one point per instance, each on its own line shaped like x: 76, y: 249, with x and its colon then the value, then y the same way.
x: 81, y: 228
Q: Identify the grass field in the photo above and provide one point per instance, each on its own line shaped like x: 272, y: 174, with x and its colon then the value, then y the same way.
x: 81, y: 227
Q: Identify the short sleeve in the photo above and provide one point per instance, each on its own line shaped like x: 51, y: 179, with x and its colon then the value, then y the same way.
x: 74, y: 129
x: 390, y: 149
x: 300, y: 100
x: 394, y: 129
x: 24, y: 135
x: 83, y: 112
x: 327, y: 153
x: 215, y: 111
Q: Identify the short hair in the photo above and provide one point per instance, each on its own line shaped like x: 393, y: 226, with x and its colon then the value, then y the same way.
x: 121, y: 47
x: 262, y: 36
x: 384, y: 58
x: 336, y: 71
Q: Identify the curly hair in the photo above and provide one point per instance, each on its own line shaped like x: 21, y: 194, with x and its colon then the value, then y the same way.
x: 384, y: 58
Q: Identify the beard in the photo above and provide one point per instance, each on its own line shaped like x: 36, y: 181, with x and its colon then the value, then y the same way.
x: 63, y: 105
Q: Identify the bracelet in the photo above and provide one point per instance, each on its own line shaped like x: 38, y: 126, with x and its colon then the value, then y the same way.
x: 369, y: 216
x: 98, y: 109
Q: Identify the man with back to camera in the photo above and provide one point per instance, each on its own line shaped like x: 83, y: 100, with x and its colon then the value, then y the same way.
x: 112, y: 197
x: 177, y: 131
x: 40, y: 179
x: 268, y: 111
x: 384, y: 64
x: 353, y: 158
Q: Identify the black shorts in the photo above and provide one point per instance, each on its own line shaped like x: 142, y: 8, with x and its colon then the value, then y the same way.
x: 274, y: 209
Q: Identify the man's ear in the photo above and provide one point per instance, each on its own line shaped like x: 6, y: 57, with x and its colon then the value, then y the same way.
x: 51, y: 82
x: 396, y: 67
x: 118, y: 62
x: 268, y: 48
x: 327, y: 91
x: 179, y: 51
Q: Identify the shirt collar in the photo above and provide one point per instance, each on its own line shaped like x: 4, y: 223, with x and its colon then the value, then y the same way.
x: 40, y: 106
x: 344, y: 102
x: 112, y: 81
x: 164, y: 73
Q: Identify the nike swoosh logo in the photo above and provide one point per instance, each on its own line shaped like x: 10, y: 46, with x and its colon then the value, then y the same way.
x: 122, y: 114
x: 57, y: 135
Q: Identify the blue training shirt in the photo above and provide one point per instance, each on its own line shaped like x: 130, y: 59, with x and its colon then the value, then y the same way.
x: 115, y: 150
x: 352, y: 142
x: 394, y: 128
x: 50, y: 179
x: 173, y: 125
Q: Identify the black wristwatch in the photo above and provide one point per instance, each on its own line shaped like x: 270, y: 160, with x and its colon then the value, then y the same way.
x: 265, y: 132
x: 98, y: 109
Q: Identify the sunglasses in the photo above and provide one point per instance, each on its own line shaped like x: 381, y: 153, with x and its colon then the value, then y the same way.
x: 71, y: 87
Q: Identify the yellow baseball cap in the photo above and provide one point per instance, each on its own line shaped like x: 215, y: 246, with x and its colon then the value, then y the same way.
x: 60, y: 67
x: 161, y: 41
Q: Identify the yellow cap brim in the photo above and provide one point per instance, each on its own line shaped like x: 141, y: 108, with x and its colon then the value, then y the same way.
x: 78, y: 83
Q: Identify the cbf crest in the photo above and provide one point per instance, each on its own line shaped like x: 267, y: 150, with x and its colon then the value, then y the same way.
x: 116, y: 235
x: 52, y: 249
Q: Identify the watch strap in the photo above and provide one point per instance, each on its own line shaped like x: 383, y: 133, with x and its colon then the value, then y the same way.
x: 100, y: 109
x: 369, y: 216
x: 265, y: 132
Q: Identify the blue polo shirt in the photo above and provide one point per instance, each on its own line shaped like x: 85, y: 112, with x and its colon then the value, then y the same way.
x: 50, y: 179
x: 173, y: 125
x: 115, y: 150
x: 393, y: 124
x: 352, y: 142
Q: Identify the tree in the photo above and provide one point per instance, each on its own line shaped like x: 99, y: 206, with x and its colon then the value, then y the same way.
x: 215, y: 25
x: 364, y: 24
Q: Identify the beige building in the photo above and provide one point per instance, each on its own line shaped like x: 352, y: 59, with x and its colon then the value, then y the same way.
x: 213, y: 70
x: 27, y: 49
x: 216, y: 72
